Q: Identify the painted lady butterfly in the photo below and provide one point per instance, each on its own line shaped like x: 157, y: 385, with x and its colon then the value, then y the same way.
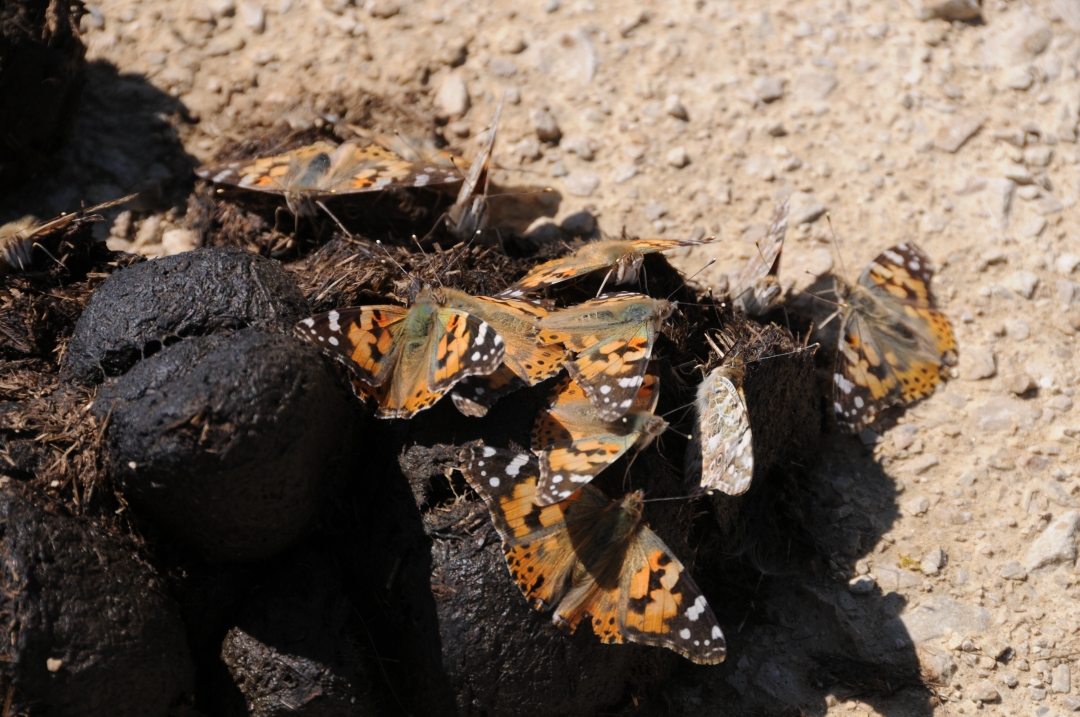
x: 524, y: 362
x: 407, y: 358
x: 721, y: 449
x: 757, y: 288
x: 612, y: 337
x: 621, y: 258
x: 17, y: 238
x: 575, y: 445
x: 592, y: 556
x: 467, y: 217
x: 893, y: 343
x: 308, y: 174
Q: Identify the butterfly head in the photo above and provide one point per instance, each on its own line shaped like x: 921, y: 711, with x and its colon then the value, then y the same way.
x: 627, y: 267
x: 631, y: 507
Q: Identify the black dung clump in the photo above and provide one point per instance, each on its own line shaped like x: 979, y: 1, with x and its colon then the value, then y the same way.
x: 88, y: 628
x: 148, y: 306
x: 225, y: 441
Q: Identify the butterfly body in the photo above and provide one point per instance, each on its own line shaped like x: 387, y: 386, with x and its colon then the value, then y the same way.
x: 574, y: 444
x: 407, y: 358
x: 721, y: 446
x: 17, y: 238
x: 524, y: 361
x: 305, y: 175
x: 592, y: 558
x: 612, y: 337
x: 893, y: 342
x: 622, y: 259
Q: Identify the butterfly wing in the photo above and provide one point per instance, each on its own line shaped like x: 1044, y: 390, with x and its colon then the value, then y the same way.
x: 650, y: 246
x: 721, y: 447
x: 574, y: 444
x: 355, y: 169
x: 613, y: 338
x: 474, y: 396
x: 757, y: 288
x: 536, y: 544
x: 515, y: 321
x: 366, y: 339
x: 469, y: 212
x: 659, y: 603
x: 893, y: 343
x: 265, y: 174
x: 589, y: 258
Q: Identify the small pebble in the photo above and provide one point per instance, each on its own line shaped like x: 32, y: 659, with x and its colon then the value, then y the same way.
x: 1012, y: 570
x: 1018, y: 383
x: 984, y: 692
x: 1009, y: 679
x: 674, y: 107
x: 581, y: 185
x: 1017, y: 330
x: 547, y: 129
x: 769, y: 89
x: 1023, y: 283
x: 678, y: 157
x: 254, y: 16
x: 917, y: 505
x: 977, y: 363
x: 861, y: 585
x: 452, y: 99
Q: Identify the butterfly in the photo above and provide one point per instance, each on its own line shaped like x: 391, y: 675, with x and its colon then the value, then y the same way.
x: 592, y: 556
x: 17, y: 238
x: 621, y: 257
x: 574, y: 445
x: 467, y: 216
x: 306, y: 175
x: 721, y: 448
x: 757, y: 288
x: 524, y: 362
x: 893, y: 342
x: 612, y: 337
x: 407, y: 358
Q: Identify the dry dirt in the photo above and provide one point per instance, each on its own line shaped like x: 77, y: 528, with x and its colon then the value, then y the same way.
x: 955, y: 527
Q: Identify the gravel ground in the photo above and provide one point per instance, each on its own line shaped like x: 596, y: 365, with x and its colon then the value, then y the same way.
x: 953, y: 531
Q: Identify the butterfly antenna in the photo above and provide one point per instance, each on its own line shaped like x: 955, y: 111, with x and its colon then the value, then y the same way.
x: 689, y: 496
x: 427, y: 258
x: 836, y: 244
x: 394, y: 261
x: 336, y: 220
x: 687, y: 279
x: 802, y: 349
x: 36, y: 245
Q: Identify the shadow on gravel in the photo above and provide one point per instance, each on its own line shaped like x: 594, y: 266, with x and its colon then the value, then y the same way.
x: 804, y: 630
x: 122, y: 141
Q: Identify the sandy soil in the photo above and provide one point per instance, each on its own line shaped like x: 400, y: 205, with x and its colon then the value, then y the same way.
x: 953, y: 529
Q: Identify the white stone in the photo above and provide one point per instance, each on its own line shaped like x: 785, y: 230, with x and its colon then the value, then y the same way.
x: 1066, y: 264
x: 813, y: 86
x: 678, y: 157
x: 177, y: 241
x: 951, y: 136
x: 673, y: 106
x: 804, y: 208
x: 940, y: 616
x: 1056, y: 544
x: 1023, y: 283
x: 769, y: 89
x: 452, y: 99
x: 254, y: 16
x: 977, y: 363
